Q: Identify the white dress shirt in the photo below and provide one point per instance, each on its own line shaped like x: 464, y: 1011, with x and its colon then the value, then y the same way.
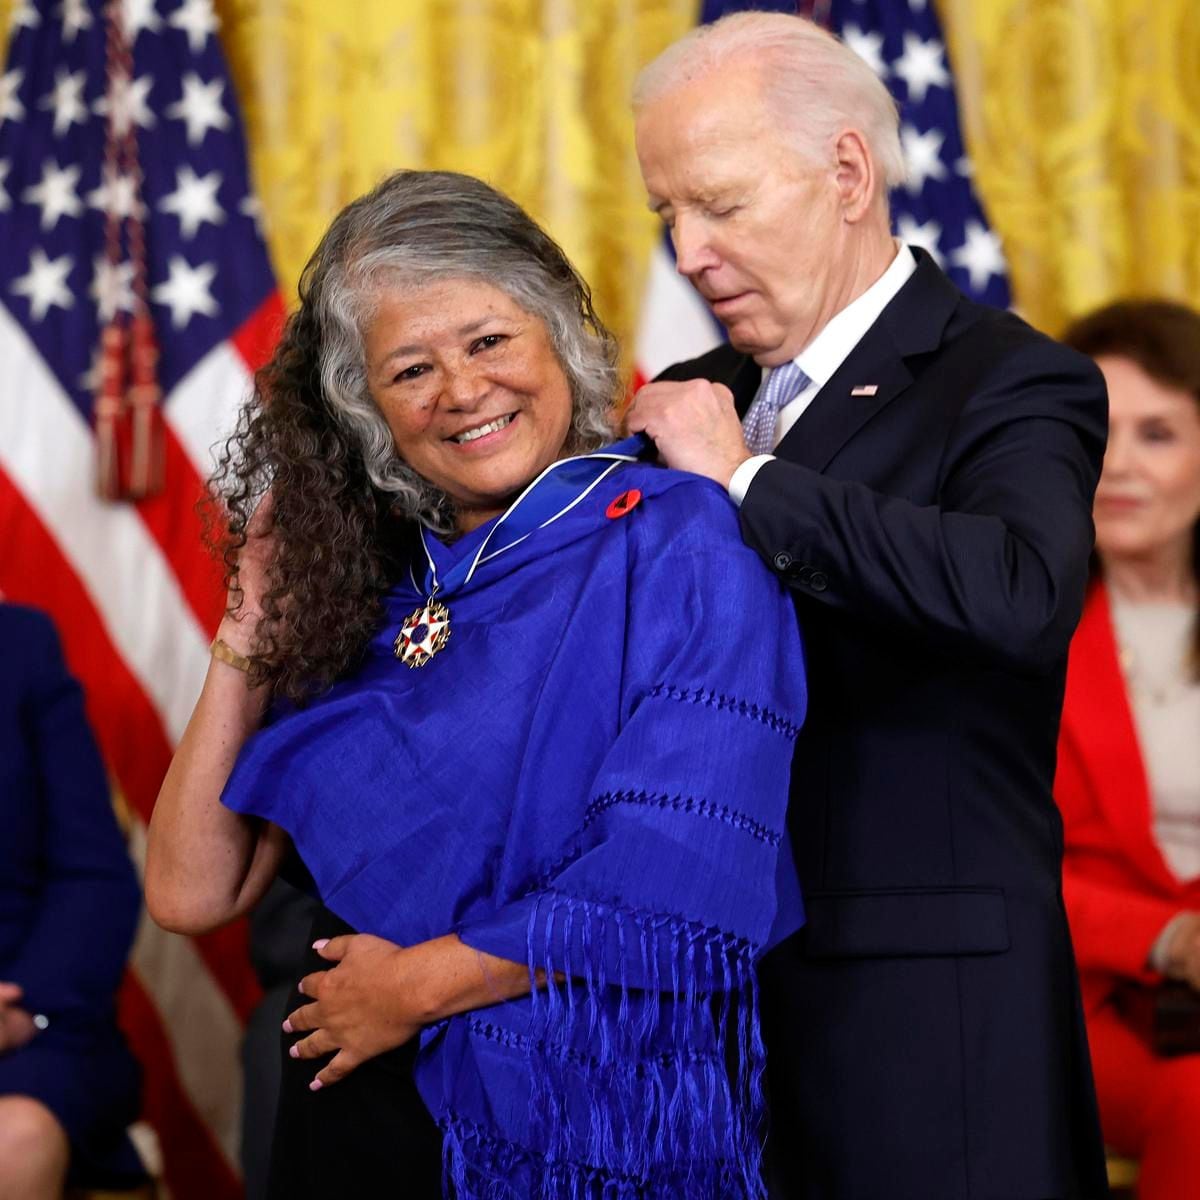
x: 821, y: 358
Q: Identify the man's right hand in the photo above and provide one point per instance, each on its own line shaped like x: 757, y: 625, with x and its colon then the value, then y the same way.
x: 694, y: 425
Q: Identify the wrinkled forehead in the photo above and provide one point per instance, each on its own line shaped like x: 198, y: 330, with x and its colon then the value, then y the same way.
x: 707, y: 129
x: 712, y: 104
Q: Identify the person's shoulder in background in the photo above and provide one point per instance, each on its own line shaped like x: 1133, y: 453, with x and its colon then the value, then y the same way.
x: 28, y: 641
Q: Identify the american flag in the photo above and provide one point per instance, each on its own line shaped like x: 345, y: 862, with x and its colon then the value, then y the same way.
x: 936, y: 209
x: 133, y: 592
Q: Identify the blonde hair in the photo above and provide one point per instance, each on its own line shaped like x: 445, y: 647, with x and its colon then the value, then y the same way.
x: 815, y: 82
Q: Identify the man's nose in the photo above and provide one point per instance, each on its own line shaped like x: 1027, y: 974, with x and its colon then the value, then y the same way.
x: 693, y: 248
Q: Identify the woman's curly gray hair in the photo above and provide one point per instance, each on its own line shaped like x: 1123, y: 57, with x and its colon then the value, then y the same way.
x: 341, y: 497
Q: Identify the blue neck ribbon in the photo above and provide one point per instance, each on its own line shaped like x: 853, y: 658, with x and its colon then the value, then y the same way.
x: 555, y: 491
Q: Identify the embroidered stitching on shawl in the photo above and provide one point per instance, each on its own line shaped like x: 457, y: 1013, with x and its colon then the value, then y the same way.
x: 720, y: 701
x: 684, y: 804
x: 518, y: 1041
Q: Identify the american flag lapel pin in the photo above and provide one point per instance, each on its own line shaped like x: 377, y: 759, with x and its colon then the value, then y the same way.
x: 865, y: 389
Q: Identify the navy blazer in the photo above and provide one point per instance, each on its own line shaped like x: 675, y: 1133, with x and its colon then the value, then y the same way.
x: 924, y: 1035
x: 69, y: 897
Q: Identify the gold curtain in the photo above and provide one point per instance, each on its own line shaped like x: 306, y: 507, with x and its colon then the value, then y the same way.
x: 1083, y: 119
x: 532, y: 95
x: 1083, y: 122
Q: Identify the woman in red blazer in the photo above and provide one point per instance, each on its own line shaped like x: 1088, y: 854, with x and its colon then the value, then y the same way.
x: 1128, y: 778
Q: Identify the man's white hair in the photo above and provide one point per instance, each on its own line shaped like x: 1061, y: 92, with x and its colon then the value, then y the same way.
x: 818, y: 86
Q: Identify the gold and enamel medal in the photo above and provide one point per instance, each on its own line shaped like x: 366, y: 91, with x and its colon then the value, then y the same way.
x: 426, y: 630
x: 423, y: 634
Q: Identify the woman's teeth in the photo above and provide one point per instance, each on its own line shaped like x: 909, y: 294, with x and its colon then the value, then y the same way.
x: 491, y: 427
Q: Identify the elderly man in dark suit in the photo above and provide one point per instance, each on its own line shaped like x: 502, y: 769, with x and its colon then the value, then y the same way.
x: 919, y: 470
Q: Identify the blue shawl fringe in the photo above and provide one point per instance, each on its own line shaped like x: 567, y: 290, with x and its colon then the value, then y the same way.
x: 650, y: 1092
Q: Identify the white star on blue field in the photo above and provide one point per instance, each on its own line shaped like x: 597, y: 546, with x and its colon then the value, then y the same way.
x: 936, y: 208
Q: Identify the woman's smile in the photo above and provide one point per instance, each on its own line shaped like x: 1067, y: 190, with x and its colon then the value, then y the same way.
x: 471, y: 389
x: 476, y: 433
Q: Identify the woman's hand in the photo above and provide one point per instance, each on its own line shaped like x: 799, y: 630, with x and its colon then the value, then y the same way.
x: 363, y: 1007
x: 16, y: 1025
x: 1183, y: 952
x: 254, y: 561
x: 379, y: 995
x: 206, y: 865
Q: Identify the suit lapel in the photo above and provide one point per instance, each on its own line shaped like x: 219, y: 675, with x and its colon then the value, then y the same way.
x: 1098, y: 718
x: 836, y: 415
x: 911, y: 324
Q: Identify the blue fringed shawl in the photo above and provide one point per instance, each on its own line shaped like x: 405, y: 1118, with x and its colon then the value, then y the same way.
x: 591, y: 778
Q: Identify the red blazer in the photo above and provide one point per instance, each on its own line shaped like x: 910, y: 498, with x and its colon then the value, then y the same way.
x: 1118, y: 888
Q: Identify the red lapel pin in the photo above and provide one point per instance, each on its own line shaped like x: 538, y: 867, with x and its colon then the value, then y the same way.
x: 624, y: 504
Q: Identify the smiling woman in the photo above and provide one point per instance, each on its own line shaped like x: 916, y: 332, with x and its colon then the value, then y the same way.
x: 472, y: 689
x: 1129, y: 759
x: 471, y: 389
x: 373, y: 288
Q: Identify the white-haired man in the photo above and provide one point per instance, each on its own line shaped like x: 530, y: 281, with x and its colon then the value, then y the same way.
x: 919, y: 470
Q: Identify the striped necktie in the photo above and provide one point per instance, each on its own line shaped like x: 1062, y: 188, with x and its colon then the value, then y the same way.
x: 783, y: 385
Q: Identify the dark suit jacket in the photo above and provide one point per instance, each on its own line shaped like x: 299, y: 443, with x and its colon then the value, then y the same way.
x: 924, y: 1035
x: 69, y: 898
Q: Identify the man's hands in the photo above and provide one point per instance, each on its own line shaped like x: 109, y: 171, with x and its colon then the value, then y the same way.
x: 694, y: 425
x: 1183, y: 950
x: 16, y: 1025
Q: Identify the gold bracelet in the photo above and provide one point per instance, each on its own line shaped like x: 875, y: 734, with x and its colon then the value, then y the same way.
x: 227, y: 654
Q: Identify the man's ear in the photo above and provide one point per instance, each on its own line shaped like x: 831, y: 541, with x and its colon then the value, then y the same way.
x: 857, y: 178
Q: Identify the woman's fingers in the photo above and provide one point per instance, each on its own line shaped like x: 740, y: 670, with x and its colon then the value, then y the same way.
x: 303, y: 1019
x: 310, y: 985
x: 262, y: 519
x: 342, y: 1064
x: 334, y: 949
x: 314, y: 1046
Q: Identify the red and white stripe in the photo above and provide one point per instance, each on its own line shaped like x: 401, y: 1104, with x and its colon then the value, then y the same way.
x: 136, y: 596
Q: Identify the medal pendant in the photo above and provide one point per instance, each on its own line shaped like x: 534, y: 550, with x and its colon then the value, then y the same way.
x: 424, y: 633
